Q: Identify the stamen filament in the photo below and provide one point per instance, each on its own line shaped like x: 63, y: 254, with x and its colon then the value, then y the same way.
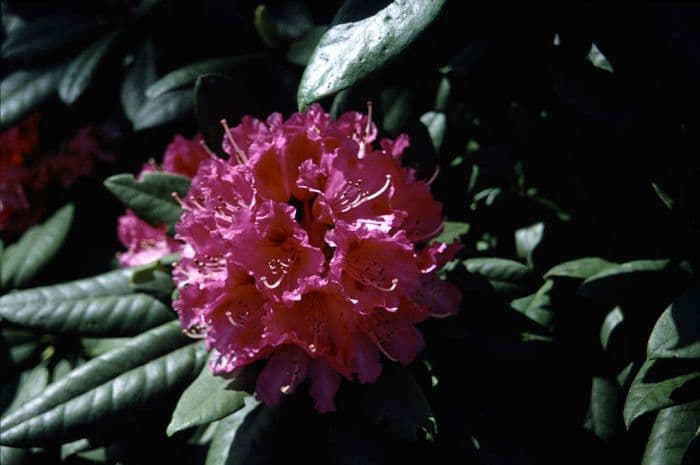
x: 240, y: 155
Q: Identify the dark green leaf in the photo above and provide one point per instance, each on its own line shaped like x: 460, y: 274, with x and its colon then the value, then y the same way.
x: 169, y: 107
x: 673, y: 430
x: 537, y: 306
x: 610, y: 324
x: 300, y: 50
x: 526, y: 239
x: 98, y: 346
x: 24, y: 91
x: 599, y: 60
x: 581, y: 268
x: 80, y: 72
x: 31, y: 384
x: 603, y: 417
x: 208, y: 398
x: 150, y: 198
x: 435, y: 122
x: 649, y: 393
x: 141, y: 74
x: 107, y: 389
x: 624, y: 281
x: 451, y: 231
x: 349, y: 52
x: 12, y: 455
x: 221, y: 451
x: 664, y: 196
x: 677, y: 331
x: 99, y: 306
x: 189, y: 74
x: 396, y: 403
x: 503, y: 275
x: 23, y: 260
x: 48, y: 35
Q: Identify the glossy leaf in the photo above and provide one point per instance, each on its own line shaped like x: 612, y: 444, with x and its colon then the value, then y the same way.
x: 625, y: 280
x: 150, y: 197
x: 436, y: 124
x: 612, y: 321
x: 301, y: 50
x: 141, y: 74
x: 167, y: 108
x: 30, y: 385
x: 83, y: 68
x: 189, y: 74
x: 677, y: 331
x: 451, y: 231
x: 23, y: 91
x: 107, y: 389
x: 222, y: 451
x: 47, y: 309
x: 674, y: 429
x: 537, y: 306
x: 603, y: 417
x: 12, y: 455
x: 396, y: 404
x: 526, y: 239
x: 648, y: 394
x: 347, y: 53
x: 48, y: 35
x: 208, y: 398
x: 102, y: 305
x: 23, y: 260
x: 581, y: 268
x: 502, y: 274
x: 98, y: 346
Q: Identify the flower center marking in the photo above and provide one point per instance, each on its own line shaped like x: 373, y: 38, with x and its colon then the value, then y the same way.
x: 352, y: 196
x: 370, y: 274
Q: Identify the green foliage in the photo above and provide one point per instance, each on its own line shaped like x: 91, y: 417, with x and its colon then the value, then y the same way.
x: 658, y: 385
x: 676, y: 334
x: 208, y: 398
x: 567, y: 168
x: 80, y: 72
x: 107, y: 388
x: 350, y: 51
x: 674, y: 428
x: 25, y: 258
x: 222, y: 450
x: 22, y: 91
x: 150, y: 197
x: 188, y: 74
x: 503, y: 275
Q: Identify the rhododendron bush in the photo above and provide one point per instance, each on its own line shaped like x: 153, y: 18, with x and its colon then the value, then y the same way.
x: 348, y: 232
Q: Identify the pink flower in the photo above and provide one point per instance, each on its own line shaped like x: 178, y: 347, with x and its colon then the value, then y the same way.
x: 310, y: 248
x: 146, y: 243
x: 183, y: 156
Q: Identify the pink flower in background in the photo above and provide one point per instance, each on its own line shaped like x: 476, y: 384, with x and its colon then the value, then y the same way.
x: 146, y: 243
x: 313, y: 249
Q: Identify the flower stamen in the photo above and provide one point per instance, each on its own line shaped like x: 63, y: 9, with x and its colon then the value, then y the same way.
x: 240, y: 155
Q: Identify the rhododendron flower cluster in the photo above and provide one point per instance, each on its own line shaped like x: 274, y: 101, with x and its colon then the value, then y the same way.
x: 146, y: 243
x: 310, y: 248
x: 26, y: 173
